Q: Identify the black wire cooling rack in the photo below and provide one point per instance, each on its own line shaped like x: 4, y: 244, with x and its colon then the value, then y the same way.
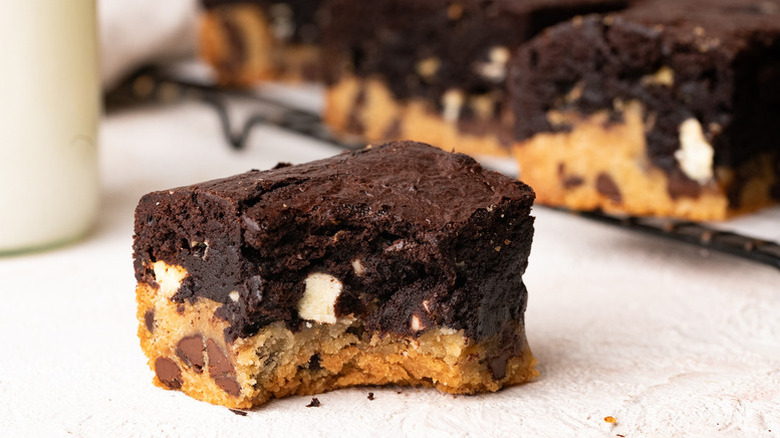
x: 164, y: 86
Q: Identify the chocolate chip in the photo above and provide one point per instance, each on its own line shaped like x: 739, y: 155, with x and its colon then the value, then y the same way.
x: 679, y: 185
x: 354, y: 123
x: 219, y: 364
x: 371, y: 396
x: 168, y: 372
x: 393, y: 131
x: 229, y: 385
x: 497, y: 365
x: 315, y: 403
x: 190, y: 351
x: 314, y: 363
x: 149, y: 320
x: 311, y: 71
x: 607, y: 187
x: 572, y: 181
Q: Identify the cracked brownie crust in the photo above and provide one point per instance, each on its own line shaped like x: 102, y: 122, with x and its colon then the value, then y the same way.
x: 396, y: 264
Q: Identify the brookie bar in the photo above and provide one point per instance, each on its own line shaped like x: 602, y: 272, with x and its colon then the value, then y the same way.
x: 248, y: 41
x: 433, y: 70
x: 669, y: 108
x: 399, y: 264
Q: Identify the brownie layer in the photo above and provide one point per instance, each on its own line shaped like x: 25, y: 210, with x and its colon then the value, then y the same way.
x: 705, y: 73
x: 452, y: 55
x: 410, y: 232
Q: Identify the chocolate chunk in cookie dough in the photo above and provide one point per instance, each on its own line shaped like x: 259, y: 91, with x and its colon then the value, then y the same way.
x: 396, y: 264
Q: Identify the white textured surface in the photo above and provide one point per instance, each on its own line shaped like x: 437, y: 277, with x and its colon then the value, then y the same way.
x: 652, y: 333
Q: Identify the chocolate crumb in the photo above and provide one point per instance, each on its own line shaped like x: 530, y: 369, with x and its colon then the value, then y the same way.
x: 237, y: 412
x: 315, y: 403
x: 371, y: 396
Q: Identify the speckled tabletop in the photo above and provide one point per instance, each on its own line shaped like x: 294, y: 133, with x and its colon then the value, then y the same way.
x: 634, y: 336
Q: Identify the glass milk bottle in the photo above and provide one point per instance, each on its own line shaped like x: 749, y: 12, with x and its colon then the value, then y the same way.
x: 50, y: 97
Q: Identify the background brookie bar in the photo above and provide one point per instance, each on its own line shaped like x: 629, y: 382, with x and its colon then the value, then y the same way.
x: 431, y: 70
x: 248, y: 41
x: 666, y: 108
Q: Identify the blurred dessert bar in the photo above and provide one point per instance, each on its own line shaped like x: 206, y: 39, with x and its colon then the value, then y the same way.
x: 395, y: 264
x: 247, y: 41
x: 432, y: 71
x: 669, y: 108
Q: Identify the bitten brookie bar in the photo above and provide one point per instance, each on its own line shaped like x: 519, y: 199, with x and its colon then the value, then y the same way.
x: 399, y: 264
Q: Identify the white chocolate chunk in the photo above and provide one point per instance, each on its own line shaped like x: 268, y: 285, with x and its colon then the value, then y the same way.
x: 234, y: 296
x: 452, y: 101
x: 168, y: 278
x: 695, y: 154
x: 358, y: 267
x: 428, y: 67
x: 319, y: 298
x: 664, y: 76
x: 495, y: 68
x: 415, y: 324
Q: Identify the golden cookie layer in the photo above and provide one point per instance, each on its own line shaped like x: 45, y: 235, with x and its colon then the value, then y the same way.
x: 187, y: 350
x: 366, y: 108
x: 603, y: 164
x: 238, y: 42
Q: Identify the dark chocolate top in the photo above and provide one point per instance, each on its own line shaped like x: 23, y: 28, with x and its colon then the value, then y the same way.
x: 426, y: 225
x: 724, y: 60
x: 390, y: 39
